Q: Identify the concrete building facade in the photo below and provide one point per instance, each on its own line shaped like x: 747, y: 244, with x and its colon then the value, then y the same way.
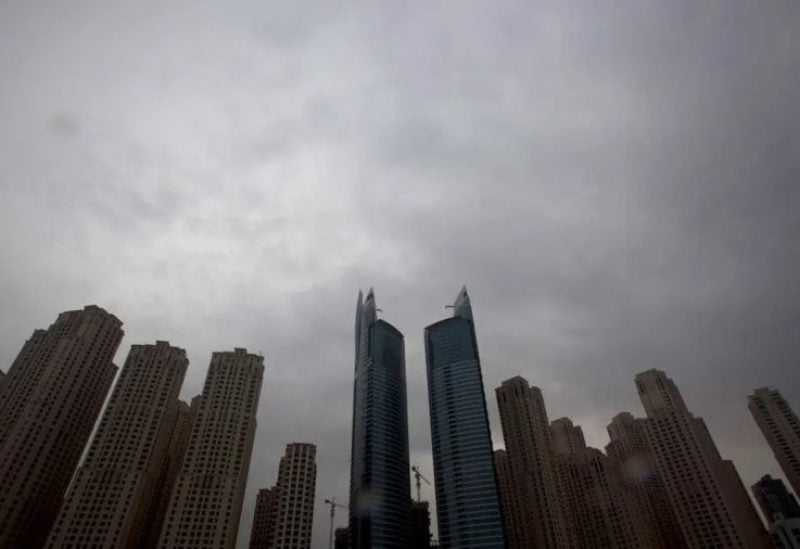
x: 705, y: 491
x: 536, y: 521
x: 635, y: 465
x: 781, y: 428
x: 110, y: 499
x: 785, y: 533
x: 206, y: 502
x: 265, y: 518
x: 179, y: 432
x: 54, y: 392
x: 297, y: 480
x: 600, y: 511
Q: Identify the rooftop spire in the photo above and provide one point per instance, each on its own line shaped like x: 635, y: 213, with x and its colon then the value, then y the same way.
x: 462, y: 306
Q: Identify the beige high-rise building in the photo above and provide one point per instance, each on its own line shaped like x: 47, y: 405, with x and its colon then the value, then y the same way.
x: 781, y: 428
x: 566, y: 438
x: 297, y: 480
x: 705, y: 491
x: 206, y: 502
x: 54, y: 392
x: 284, y: 513
x: 180, y: 429
x: 635, y: 465
x: 111, y: 497
x: 535, y: 482
x: 600, y: 510
x: 262, y: 535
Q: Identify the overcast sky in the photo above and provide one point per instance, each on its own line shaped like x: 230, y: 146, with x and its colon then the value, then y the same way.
x: 616, y: 183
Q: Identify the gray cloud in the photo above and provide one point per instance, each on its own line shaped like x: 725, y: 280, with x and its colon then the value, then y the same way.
x: 616, y: 185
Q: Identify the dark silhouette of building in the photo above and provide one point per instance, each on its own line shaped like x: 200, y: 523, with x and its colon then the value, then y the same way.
x: 341, y: 538
x: 420, y: 525
x: 774, y: 499
x: 467, y: 502
x: 54, y: 392
x: 380, y: 496
x: 109, y: 499
x: 509, y: 506
x: 781, y: 510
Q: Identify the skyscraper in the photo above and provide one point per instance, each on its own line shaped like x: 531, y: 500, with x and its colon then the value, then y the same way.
x: 781, y: 510
x: 467, y: 503
x: 380, y: 496
x: 774, y: 499
x: 54, y: 392
x: 566, y: 438
x: 179, y: 433
x: 297, y: 480
x: 781, y: 428
x: 526, y: 433
x: 635, y: 465
x: 600, y: 510
x: 206, y: 502
x: 705, y: 491
x: 109, y: 500
x: 265, y: 518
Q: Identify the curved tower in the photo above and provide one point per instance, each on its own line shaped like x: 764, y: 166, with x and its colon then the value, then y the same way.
x: 467, y: 503
x: 380, y: 496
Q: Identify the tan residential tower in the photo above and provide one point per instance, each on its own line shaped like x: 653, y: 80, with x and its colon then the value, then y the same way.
x: 536, y: 523
x: 781, y: 428
x: 705, y: 491
x: 206, y: 503
x: 111, y: 501
x: 54, y: 391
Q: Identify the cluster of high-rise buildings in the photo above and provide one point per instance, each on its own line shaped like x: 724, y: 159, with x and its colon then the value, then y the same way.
x: 661, y: 483
x: 160, y: 472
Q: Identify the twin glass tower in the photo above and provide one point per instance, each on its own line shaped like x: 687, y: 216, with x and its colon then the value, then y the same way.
x: 466, y: 488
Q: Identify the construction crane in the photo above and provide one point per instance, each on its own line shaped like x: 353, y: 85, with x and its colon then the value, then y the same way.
x: 334, y: 504
x: 419, y: 477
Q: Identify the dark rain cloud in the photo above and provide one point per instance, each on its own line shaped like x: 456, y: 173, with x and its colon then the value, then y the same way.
x: 616, y: 185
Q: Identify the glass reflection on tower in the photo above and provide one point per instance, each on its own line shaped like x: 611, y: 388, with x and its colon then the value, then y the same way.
x: 380, y: 497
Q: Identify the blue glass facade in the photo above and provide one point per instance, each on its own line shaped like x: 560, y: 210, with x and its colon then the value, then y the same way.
x: 380, y: 496
x: 467, y: 502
